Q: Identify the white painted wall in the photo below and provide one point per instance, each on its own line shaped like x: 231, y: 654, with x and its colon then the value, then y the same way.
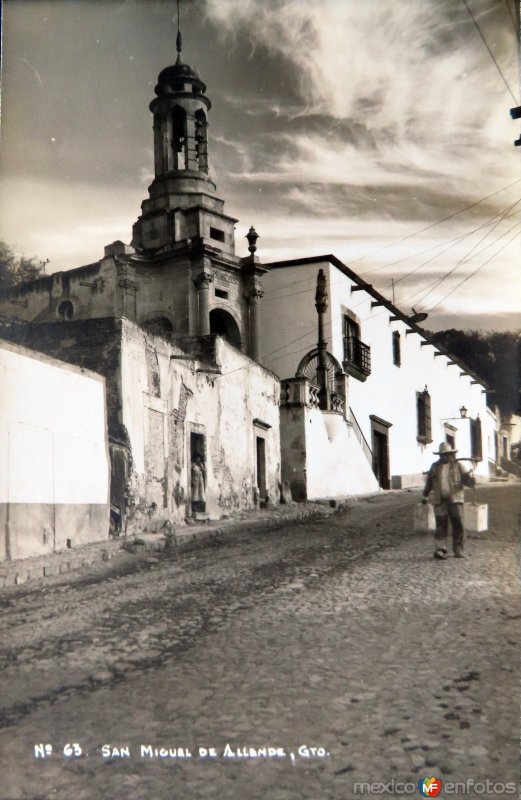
x: 53, y: 452
x: 288, y: 311
x: 342, y: 468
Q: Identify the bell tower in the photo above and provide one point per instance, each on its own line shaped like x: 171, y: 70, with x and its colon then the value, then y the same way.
x: 180, y: 128
x: 182, y: 206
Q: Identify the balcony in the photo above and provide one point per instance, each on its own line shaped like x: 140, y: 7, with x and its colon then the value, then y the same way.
x: 357, y: 358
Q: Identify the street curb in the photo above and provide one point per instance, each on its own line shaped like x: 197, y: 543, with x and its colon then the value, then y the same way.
x: 20, y: 572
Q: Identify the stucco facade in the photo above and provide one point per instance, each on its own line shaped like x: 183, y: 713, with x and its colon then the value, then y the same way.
x: 168, y: 400
x: 54, y: 464
x: 202, y: 398
x: 393, y: 368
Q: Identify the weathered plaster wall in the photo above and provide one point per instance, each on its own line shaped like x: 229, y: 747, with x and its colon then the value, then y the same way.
x: 217, y: 392
x: 293, y: 450
x: 92, y: 290
x: 54, y: 470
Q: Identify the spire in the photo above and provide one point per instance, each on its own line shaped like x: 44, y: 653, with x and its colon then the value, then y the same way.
x: 178, y: 41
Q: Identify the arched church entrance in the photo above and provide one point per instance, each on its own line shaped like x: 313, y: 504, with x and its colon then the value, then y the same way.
x: 223, y: 324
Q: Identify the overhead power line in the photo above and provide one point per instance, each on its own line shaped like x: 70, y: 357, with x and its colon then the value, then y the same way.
x: 471, y: 275
x: 467, y: 255
x: 433, y: 224
x: 509, y: 9
x: 492, y: 56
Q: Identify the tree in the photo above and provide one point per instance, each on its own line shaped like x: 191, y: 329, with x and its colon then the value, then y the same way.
x: 17, y: 269
x: 495, y: 356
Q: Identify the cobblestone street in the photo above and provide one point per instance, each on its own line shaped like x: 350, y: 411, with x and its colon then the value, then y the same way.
x: 341, y: 634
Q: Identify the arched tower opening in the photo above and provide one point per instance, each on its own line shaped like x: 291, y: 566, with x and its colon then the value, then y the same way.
x: 223, y: 324
x: 179, y: 137
x: 201, y: 140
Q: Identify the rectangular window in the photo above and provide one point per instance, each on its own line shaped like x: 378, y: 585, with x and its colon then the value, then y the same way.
x: 397, y: 353
x: 357, y: 355
x: 216, y: 234
x: 221, y: 293
x: 423, y: 407
x: 476, y: 439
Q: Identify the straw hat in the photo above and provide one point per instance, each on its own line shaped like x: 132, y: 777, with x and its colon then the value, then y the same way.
x: 445, y: 448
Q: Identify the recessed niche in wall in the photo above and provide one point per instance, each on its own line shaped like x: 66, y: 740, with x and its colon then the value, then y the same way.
x: 221, y: 293
x: 66, y: 310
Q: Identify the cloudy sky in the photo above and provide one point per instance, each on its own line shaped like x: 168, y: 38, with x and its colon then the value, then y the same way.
x: 378, y: 131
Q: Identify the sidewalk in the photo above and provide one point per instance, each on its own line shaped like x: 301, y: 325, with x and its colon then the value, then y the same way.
x: 13, y: 573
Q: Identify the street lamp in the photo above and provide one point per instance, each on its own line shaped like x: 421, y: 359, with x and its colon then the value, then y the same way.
x: 463, y: 412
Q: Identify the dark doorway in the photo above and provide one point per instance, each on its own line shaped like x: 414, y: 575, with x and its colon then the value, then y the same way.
x: 261, y: 466
x: 197, y: 472
x: 380, y: 447
x: 223, y: 324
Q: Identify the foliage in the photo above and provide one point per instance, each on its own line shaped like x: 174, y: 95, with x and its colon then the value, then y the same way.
x: 494, y: 356
x: 17, y: 269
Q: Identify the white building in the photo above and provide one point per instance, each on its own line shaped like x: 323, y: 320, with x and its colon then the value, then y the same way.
x: 54, y: 462
x: 393, y: 394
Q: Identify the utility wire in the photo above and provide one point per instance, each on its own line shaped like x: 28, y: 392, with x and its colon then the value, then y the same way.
x: 272, y: 355
x: 432, y: 225
x: 489, y: 50
x: 450, y: 242
x: 455, y: 240
x: 511, y: 16
x: 409, y: 236
x: 468, y: 277
x: 465, y: 258
x: 427, y: 289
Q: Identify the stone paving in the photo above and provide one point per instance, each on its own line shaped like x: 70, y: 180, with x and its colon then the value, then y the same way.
x: 182, y: 538
x: 341, y: 634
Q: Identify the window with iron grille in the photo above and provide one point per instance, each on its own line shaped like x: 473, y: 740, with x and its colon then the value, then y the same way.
x: 397, y: 350
x: 423, y: 407
x: 476, y: 445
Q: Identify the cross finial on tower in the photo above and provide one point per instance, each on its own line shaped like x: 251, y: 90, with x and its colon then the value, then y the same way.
x: 178, y: 42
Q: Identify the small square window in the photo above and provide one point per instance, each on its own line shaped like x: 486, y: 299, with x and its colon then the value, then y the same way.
x: 217, y: 234
x: 221, y: 293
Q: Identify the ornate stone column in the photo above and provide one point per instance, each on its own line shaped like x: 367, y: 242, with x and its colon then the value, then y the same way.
x: 254, y: 296
x: 321, y: 307
x: 203, y: 281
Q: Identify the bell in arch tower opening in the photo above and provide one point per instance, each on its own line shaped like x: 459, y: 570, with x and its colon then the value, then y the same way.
x: 182, y: 206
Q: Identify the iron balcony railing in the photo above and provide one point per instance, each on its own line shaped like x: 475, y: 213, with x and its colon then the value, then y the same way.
x: 357, y: 354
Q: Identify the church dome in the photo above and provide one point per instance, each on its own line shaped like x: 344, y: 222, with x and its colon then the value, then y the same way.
x: 173, y: 79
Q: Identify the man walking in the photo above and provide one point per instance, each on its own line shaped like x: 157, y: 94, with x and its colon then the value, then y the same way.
x: 446, y: 479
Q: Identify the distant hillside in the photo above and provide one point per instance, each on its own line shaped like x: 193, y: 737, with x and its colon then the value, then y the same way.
x: 495, y: 357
